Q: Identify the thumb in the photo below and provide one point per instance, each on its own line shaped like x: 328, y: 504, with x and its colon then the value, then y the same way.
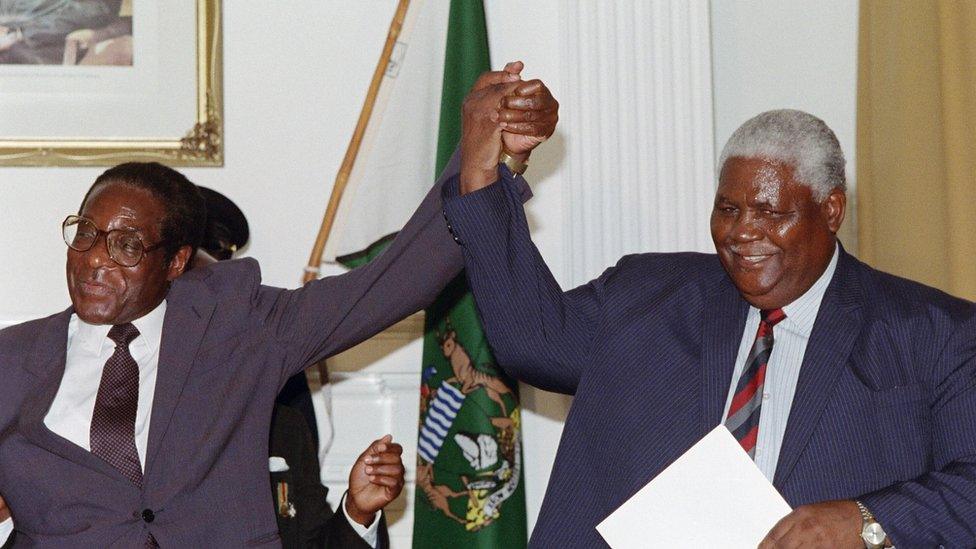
x: 514, y: 67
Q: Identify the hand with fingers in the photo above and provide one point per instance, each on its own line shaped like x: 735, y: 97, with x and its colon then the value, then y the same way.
x: 376, y: 479
x: 529, y: 116
x: 502, y: 109
x: 833, y: 524
x: 81, y: 39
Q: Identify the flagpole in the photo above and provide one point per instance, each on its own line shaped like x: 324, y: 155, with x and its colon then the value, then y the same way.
x: 342, y: 177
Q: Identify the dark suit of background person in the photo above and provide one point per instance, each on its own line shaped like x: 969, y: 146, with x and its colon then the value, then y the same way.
x: 304, y: 516
x: 884, y: 410
x: 227, y: 345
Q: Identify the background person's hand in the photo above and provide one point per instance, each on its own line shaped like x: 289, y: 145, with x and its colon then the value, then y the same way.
x: 376, y: 479
x: 82, y: 39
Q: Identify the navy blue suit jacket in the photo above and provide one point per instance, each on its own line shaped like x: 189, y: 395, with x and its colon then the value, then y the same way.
x: 885, y: 405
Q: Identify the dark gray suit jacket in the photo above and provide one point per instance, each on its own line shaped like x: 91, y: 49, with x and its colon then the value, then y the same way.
x: 228, y: 345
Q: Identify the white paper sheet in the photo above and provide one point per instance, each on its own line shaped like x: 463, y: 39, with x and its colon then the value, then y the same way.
x: 712, y: 496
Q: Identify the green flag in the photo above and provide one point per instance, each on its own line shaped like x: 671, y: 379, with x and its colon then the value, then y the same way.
x: 469, y: 451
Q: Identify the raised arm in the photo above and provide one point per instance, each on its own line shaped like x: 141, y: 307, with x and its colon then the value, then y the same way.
x: 538, y: 333
x: 334, y: 313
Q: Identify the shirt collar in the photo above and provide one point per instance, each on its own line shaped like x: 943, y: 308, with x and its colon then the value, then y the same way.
x: 150, y: 327
x: 94, y: 337
x: 802, y: 313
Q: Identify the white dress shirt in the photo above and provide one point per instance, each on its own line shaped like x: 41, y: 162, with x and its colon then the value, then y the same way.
x: 368, y: 533
x: 89, y: 347
x: 790, y: 338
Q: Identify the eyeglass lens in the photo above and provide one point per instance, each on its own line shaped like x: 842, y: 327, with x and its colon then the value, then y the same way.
x: 124, y: 247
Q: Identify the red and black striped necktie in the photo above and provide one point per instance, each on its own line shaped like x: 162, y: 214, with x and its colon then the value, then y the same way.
x: 743, y: 418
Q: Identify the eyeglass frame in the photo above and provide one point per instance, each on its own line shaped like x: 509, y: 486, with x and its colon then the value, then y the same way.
x: 98, y: 234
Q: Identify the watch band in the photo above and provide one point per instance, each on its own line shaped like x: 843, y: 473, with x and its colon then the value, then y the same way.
x: 872, y: 533
x: 516, y: 166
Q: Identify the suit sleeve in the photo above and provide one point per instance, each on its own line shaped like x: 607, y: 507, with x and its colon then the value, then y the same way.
x: 334, y: 313
x: 939, y: 507
x: 339, y: 534
x: 539, y: 334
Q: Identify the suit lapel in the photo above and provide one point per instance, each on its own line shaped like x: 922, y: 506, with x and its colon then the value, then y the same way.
x: 724, y: 320
x: 47, y: 363
x: 834, y: 333
x: 189, y: 306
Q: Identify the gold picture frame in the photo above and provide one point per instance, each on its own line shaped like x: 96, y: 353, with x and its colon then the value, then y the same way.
x: 201, y: 145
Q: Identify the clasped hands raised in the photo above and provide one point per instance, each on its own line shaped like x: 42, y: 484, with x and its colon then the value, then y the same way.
x: 502, y: 111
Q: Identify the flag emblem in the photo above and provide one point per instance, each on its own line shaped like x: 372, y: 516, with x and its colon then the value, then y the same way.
x: 469, y: 454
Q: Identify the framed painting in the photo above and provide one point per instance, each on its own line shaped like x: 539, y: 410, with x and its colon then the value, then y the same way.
x: 100, y: 82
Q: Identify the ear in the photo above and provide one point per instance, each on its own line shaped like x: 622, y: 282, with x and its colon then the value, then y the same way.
x: 834, y: 208
x: 179, y: 263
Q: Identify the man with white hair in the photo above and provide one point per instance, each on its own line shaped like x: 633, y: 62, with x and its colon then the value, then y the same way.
x: 853, y: 390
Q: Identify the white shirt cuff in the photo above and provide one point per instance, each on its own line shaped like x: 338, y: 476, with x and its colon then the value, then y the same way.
x: 368, y: 533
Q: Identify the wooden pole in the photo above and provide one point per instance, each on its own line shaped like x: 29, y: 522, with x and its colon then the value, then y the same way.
x: 349, y: 160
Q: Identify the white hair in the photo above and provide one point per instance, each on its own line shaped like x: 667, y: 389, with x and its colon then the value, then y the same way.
x: 794, y: 138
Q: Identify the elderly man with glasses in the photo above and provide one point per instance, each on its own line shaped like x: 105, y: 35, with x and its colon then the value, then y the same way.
x: 140, y: 415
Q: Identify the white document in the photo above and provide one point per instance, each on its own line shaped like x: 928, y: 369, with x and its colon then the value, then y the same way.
x: 712, y: 496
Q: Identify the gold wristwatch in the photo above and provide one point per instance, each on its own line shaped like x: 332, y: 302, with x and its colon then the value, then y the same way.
x: 516, y: 166
x: 871, y: 531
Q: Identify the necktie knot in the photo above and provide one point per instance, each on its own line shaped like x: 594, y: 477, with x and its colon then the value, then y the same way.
x: 772, y: 317
x: 123, y: 334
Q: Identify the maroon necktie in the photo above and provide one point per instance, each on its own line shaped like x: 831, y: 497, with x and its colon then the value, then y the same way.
x: 113, y: 424
x: 743, y: 418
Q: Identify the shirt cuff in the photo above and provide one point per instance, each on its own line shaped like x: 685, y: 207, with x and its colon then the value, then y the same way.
x: 368, y: 533
x: 451, y: 189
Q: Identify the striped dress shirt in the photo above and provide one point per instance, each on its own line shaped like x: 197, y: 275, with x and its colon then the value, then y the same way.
x: 790, y: 339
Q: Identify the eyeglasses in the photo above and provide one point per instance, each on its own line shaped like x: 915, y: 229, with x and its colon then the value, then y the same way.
x: 124, y: 246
